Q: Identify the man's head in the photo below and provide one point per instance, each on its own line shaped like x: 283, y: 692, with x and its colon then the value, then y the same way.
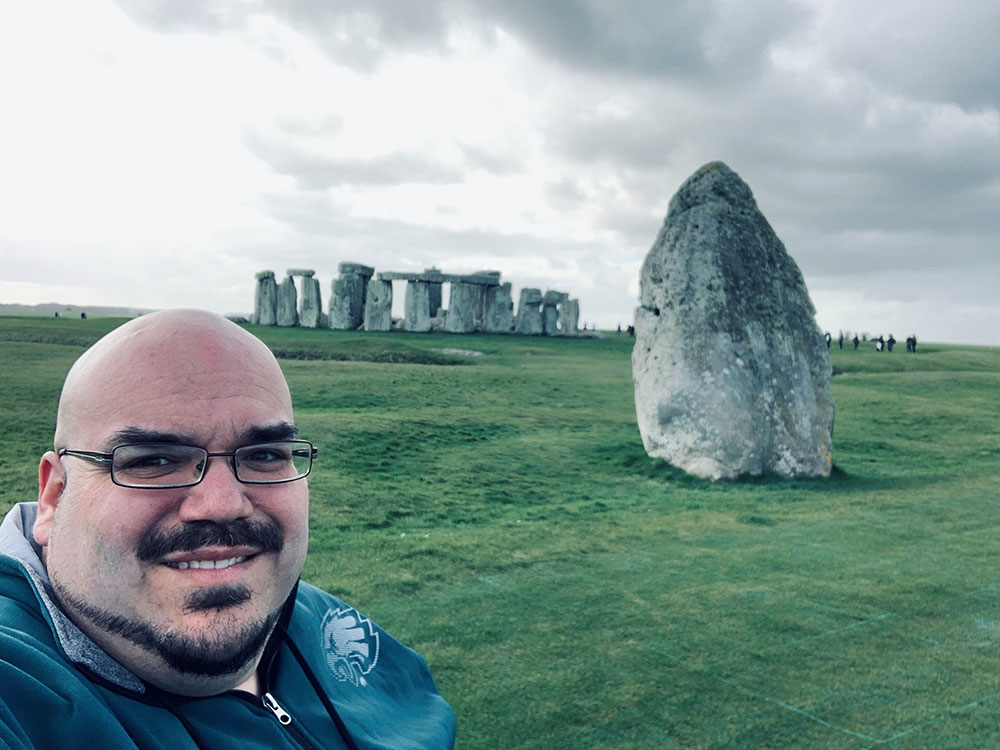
x: 181, y: 585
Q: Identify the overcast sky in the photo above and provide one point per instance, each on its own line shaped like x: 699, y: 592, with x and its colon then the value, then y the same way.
x: 157, y: 153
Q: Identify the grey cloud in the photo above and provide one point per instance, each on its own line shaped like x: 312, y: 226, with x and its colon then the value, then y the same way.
x: 922, y: 49
x: 315, y: 171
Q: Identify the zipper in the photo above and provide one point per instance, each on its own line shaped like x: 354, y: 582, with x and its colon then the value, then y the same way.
x: 271, y: 702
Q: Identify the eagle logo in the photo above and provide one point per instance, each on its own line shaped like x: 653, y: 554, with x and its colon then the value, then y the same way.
x: 350, y: 644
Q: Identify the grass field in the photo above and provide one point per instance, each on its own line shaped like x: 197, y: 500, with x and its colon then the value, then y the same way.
x: 498, y: 513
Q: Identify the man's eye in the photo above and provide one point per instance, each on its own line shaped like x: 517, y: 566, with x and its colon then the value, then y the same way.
x: 264, y: 456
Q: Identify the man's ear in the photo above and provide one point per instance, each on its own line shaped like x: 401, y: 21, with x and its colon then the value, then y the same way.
x: 51, y: 481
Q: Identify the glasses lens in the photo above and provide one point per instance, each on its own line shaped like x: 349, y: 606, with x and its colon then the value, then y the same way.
x: 157, y: 465
x: 280, y: 461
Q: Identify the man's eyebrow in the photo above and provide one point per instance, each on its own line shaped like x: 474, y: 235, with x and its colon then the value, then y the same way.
x: 270, y: 433
x: 142, y: 436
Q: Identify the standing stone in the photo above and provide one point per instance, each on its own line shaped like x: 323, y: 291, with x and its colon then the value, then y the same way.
x: 417, y: 307
x: 498, y: 309
x: 529, y: 314
x: 378, y: 305
x: 569, y: 317
x: 265, y: 300
x: 434, y: 289
x: 288, y: 314
x: 465, y: 308
x: 731, y: 373
x: 312, y: 308
x: 550, y: 312
x: 347, y: 296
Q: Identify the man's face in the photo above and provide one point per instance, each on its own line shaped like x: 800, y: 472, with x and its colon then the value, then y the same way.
x: 193, y: 577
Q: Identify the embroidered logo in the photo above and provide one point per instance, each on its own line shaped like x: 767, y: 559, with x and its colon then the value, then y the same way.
x: 350, y: 643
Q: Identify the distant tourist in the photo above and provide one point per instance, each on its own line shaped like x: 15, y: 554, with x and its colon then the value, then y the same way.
x: 879, y: 343
x: 58, y: 314
x: 631, y: 330
x: 889, y: 342
x: 83, y: 316
x: 619, y: 330
x: 840, y: 339
x: 913, y: 343
x: 828, y: 338
x: 855, y: 341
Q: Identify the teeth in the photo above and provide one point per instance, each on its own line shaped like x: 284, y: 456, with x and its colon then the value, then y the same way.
x: 207, y: 564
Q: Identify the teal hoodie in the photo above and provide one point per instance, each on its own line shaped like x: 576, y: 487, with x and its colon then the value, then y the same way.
x: 333, y: 679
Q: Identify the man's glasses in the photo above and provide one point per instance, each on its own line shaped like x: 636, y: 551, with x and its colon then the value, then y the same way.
x: 167, y: 466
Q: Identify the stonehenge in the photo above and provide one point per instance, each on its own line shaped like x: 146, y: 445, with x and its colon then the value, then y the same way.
x: 360, y: 299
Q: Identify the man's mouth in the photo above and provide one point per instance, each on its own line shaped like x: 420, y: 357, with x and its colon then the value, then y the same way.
x: 206, y: 564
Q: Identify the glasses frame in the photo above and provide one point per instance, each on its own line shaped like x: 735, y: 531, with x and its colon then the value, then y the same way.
x: 107, y: 459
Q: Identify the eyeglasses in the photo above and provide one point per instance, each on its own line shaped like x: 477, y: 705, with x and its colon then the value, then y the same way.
x: 167, y: 466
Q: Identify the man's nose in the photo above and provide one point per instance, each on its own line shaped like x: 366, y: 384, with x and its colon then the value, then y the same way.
x: 219, y: 496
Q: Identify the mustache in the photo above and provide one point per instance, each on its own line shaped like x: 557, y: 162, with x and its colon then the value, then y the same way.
x: 265, y: 535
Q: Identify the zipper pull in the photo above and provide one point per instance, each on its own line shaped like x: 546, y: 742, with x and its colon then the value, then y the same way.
x: 283, y: 716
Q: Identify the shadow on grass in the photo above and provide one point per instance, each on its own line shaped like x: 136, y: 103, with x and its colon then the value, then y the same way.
x: 634, y: 460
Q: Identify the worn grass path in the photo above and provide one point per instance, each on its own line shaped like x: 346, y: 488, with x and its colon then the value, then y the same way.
x: 499, y: 514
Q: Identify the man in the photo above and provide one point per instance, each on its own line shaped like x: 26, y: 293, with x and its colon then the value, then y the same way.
x: 151, y: 598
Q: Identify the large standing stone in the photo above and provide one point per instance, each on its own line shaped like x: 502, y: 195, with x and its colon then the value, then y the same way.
x: 434, y: 289
x: 265, y: 300
x: 731, y: 372
x: 498, y: 309
x: 378, y: 305
x: 347, y: 296
x: 311, y: 312
x: 550, y: 311
x: 569, y: 317
x: 417, y: 307
x: 465, y: 308
x: 529, y: 314
x: 288, y: 314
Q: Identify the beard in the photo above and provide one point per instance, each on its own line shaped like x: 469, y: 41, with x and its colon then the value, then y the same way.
x: 226, y: 652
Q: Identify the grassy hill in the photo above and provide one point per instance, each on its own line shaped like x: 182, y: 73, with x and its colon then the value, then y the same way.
x: 499, y: 514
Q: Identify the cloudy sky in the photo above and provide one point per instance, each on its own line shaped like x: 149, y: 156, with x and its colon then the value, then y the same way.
x: 157, y: 153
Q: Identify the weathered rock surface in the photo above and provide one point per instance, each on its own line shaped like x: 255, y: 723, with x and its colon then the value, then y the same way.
x: 498, y: 309
x: 347, y: 296
x: 550, y: 311
x: 529, y: 313
x: 417, y: 306
x: 731, y: 373
x: 378, y: 305
x: 265, y: 300
x: 288, y: 302
x: 311, y: 312
x: 465, y: 308
x: 569, y: 317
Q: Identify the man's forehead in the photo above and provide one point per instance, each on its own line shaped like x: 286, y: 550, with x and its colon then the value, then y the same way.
x: 247, y: 435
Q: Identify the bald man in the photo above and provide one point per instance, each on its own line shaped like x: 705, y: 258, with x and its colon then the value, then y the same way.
x: 151, y: 597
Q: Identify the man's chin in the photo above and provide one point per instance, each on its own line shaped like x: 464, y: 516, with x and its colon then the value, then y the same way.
x: 214, y: 640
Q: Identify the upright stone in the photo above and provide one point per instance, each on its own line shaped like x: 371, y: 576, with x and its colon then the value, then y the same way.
x: 311, y: 313
x: 434, y: 290
x: 731, y: 373
x: 347, y: 296
x: 288, y: 314
x: 465, y: 308
x: 498, y: 309
x: 265, y: 299
x: 569, y: 317
x: 417, y: 307
x: 378, y: 305
x: 529, y: 314
x: 550, y: 312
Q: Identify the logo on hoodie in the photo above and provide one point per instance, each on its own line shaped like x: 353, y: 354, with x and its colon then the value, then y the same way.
x: 350, y: 644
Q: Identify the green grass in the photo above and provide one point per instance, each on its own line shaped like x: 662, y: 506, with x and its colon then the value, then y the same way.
x: 499, y: 514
